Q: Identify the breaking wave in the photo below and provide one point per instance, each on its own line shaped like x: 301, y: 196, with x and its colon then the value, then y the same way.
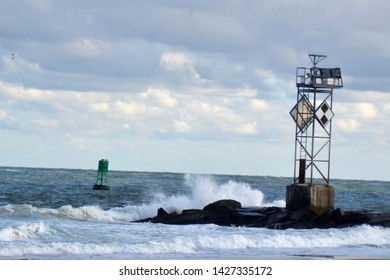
x: 194, y: 239
x: 20, y: 232
x: 199, y: 191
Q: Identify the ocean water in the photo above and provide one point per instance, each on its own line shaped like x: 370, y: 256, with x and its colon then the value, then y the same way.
x: 55, y: 214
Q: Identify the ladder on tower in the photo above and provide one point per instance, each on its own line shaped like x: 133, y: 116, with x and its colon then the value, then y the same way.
x: 303, y: 148
x: 302, y: 158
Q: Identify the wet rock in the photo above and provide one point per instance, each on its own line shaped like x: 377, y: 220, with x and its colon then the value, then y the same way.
x: 231, y: 213
x: 324, y: 220
x: 187, y: 217
x: 279, y: 217
x: 223, y: 212
x: 282, y: 225
x: 222, y: 206
x: 351, y: 218
x: 378, y: 219
x: 271, y: 210
x: 261, y: 222
x: 302, y: 215
x: 251, y: 218
x: 161, y: 212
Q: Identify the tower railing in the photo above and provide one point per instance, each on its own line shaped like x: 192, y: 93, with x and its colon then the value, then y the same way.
x: 315, y: 77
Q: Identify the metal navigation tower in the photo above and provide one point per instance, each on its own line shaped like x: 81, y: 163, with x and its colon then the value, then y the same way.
x: 313, y: 117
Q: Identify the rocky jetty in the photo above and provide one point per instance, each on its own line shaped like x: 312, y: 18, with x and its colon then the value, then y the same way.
x: 231, y: 213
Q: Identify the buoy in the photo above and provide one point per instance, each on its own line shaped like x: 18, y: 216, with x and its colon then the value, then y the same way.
x: 102, y: 176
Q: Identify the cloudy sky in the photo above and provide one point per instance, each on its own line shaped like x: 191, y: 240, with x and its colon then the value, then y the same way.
x: 189, y: 86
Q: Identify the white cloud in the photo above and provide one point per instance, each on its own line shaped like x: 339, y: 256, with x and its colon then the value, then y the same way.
x: 154, y: 111
x: 159, y: 97
x: 247, y: 92
x: 181, y: 63
x: 366, y: 110
x: 127, y: 108
x: 86, y: 47
x: 182, y: 127
x: 45, y: 124
x: 348, y: 125
x: 214, y: 71
x: 248, y: 128
x: 259, y: 105
x: 19, y: 65
x: 100, y: 107
x: 175, y: 61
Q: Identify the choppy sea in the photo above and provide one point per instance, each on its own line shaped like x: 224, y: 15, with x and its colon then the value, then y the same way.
x: 54, y: 214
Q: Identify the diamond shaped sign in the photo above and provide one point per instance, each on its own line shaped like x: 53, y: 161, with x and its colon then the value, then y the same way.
x: 324, y: 114
x: 302, y: 113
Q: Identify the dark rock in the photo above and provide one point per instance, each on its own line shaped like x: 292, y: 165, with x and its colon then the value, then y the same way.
x: 283, y: 225
x: 187, y: 217
x: 222, y: 206
x: 228, y: 212
x: 279, y: 217
x: 260, y: 222
x: 161, y: 212
x: 251, y: 214
x: 223, y: 212
x: 248, y: 218
x: 165, y: 219
x: 302, y: 225
x: 352, y: 218
x: 378, y: 219
x: 324, y: 220
x: 251, y: 209
x: 146, y: 220
x: 338, y: 215
x: 271, y: 210
x: 302, y: 215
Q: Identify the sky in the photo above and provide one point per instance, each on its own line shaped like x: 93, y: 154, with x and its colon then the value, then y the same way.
x: 189, y: 86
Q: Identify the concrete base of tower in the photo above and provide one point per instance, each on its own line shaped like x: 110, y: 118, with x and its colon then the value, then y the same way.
x: 318, y: 198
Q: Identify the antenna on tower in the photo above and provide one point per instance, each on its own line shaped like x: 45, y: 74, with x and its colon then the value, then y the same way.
x: 317, y: 58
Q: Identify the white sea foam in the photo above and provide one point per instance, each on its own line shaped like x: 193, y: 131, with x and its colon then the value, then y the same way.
x: 198, y: 240
x: 24, y: 231
x: 364, y: 235
x: 202, y: 190
x: 69, y: 212
x: 243, y: 238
